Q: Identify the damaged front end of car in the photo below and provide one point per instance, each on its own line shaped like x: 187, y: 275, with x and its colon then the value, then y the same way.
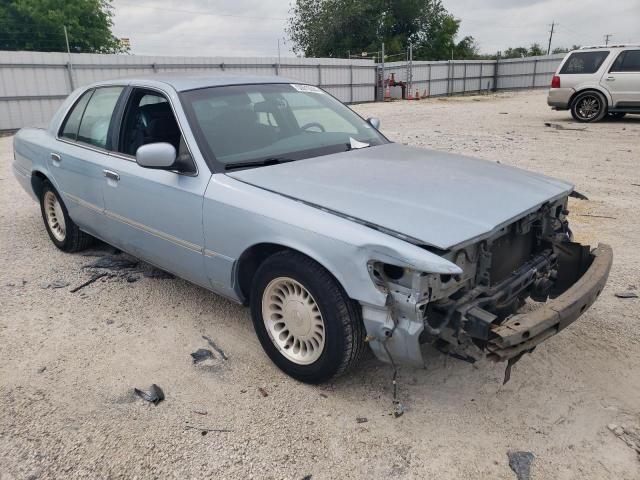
x: 518, y: 287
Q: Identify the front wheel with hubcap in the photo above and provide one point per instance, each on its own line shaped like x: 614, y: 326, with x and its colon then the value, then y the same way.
x: 303, y: 318
x: 589, y: 106
x: 64, y: 233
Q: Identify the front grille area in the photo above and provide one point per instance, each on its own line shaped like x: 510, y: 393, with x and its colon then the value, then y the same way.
x: 510, y: 252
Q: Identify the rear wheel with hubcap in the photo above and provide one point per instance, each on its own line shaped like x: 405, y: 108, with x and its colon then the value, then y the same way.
x: 303, y: 318
x: 589, y: 106
x: 64, y: 233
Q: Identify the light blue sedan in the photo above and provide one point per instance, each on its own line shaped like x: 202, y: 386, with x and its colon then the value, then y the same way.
x: 274, y: 194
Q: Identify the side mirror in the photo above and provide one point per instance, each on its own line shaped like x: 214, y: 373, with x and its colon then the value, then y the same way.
x: 156, y: 155
x: 374, y: 122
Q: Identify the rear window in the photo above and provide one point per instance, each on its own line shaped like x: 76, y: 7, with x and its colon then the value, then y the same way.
x: 583, y: 62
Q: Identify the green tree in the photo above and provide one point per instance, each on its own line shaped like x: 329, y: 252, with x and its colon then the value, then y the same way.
x: 534, y: 50
x: 565, y: 50
x: 38, y: 25
x: 332, y: 28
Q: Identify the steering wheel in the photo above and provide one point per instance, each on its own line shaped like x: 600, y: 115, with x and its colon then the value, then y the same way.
x: 307, y: 126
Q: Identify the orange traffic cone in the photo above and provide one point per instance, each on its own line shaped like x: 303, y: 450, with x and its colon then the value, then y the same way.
x: 409, y: 95
x: 425, y: 94
x: 387, y: 94
x: 417, y: 94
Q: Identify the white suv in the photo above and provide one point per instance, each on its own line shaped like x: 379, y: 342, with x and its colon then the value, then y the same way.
x: 598, y: 81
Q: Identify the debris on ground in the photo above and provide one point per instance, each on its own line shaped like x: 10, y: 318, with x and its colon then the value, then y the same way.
x: 114, y: 262
x: 205, y: 430
x: 629, y: 435
x: 215, y: 347
x: 520, y: 463
x: 155, y: 394
x: 557, y: 126
x: 54, y: 284
x: 150, y: 271
x: 94, y: 278
x: 263, y: 392
x: 200, y: 412
x: 596, y: 216
x: 626, y: 295
x: 201, y: 355
x: 126, y: 265
x: 578, y: 195
x: 362, y: 419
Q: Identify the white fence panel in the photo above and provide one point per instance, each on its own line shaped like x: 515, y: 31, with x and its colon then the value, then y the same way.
x: 33, y: 84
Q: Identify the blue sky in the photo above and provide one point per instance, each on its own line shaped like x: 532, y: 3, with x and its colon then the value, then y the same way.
x: 253, y: 27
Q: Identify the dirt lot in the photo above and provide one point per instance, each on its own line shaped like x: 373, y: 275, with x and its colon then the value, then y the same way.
x: 69, y: 361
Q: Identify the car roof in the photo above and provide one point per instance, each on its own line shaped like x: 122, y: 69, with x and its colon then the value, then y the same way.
x: 184, y: 81
x: 610, y: 47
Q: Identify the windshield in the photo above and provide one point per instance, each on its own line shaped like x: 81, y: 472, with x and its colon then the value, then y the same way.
x: 269, y: 123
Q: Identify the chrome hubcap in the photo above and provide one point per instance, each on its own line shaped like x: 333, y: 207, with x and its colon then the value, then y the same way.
x: 589, y: 107
x: 293, y: 320
x: 55, y: 217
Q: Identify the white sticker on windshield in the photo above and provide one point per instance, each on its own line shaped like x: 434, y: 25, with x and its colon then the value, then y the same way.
x: 355, y: 144
x: 306, y: 88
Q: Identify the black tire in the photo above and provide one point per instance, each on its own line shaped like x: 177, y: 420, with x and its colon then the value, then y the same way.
x: 617, y: 115
x: 590, y: 106
x: 73, y: 239
x: 343, y: 328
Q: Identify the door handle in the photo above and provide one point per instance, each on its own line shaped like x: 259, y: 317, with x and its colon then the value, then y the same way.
x: 111, y: 175
x: 610, y: 79
x: 56, y: 159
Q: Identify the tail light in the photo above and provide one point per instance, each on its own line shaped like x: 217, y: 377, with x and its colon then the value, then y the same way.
x: 555, y: 82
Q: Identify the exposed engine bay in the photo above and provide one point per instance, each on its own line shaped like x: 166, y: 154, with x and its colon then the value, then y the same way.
x: 481, y: 313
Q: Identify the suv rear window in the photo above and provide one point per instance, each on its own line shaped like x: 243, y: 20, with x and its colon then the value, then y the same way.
x: 583, y: 62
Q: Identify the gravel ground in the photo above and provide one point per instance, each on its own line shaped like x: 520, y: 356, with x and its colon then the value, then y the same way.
x: 69, y: 361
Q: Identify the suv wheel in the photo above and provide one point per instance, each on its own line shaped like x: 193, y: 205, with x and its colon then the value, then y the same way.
x: 63, y: 232
x: 589, y: 107
x: 303, y: 318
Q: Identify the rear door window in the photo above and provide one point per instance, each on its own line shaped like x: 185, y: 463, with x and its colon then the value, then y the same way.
x: 94, y: 126
x: 71, y: 125
x: 583, y: 62
x: 627, y: 61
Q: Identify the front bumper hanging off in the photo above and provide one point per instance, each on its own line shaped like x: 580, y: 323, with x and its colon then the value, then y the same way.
x: 397, y: 340
x: 522, y: 332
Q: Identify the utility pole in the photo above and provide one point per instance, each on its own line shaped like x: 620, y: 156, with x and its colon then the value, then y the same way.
x: 607, y: 37
x: 278, y: 69
x: 66, y: 39
x: 381, y: 91
x: 553, y: 26
x: 410, y: 72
